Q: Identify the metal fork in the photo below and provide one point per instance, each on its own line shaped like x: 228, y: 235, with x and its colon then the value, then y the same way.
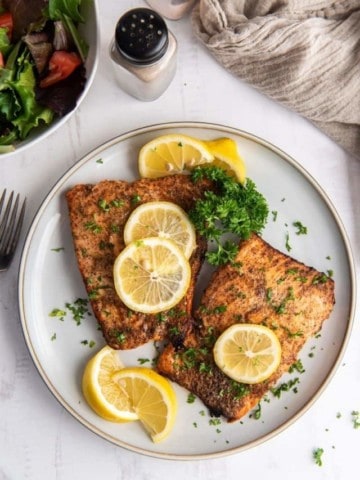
x: 10, y: 227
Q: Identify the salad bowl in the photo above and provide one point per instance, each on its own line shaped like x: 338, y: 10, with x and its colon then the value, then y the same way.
x: 87, y: 31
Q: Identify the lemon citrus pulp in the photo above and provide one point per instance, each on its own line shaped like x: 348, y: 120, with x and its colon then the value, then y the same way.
x: 100, y: 391
x: 152, y: 398
x: 161, y: 219
x: 226, y: 156
x: 151, y: 275
x: 170, y: 154
x: 248, y: 353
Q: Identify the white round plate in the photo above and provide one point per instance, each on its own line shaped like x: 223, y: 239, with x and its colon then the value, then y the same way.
x: 49, y: 279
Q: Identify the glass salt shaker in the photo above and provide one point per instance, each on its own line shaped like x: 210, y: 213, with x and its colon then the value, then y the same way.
x: 171, y: 9
x: 143, y: 52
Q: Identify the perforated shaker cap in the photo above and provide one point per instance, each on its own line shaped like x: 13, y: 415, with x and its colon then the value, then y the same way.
x: 141, y: 36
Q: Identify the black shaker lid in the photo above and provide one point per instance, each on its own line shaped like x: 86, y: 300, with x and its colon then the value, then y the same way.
x: 141, y: 36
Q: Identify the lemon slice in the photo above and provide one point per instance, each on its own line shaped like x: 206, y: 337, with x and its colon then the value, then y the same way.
x: 226, y: 155
x: 103, y: 394
x: 247, y: 353
x: 170, y: 154
x: 152, y: 399
x: 151, y: 275
x: 161, y: 219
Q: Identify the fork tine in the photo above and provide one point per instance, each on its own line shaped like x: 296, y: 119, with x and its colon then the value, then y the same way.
x: 10, y: 227
x: 5, y: 217
x: 6, y: 240
x: 2, y: 200
x: 13, y: 243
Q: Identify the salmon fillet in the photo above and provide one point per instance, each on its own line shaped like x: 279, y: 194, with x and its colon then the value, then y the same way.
x: 263, y: 286
x: 98, y: 214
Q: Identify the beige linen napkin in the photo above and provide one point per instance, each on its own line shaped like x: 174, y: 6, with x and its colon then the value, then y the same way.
x: 302, y: 53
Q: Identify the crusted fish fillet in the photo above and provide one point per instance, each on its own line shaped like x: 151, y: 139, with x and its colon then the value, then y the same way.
x: 98, y: 214
x: 263, y: 286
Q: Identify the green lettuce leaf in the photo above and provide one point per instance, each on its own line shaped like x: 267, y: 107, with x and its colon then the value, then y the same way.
x: 71, y: 8
x: 20, y: 112
x: 5, y: 46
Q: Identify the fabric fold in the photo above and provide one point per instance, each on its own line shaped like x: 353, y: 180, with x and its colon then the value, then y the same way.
x: 304, y: 54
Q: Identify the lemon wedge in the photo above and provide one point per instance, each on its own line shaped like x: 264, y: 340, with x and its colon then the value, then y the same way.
x: 248, y: 353
x: 151, y: 275
x: 161, y: 219
x: 152, y: 398
x: 100, y: 391
x: 172, y: 153
x: 226, y: 156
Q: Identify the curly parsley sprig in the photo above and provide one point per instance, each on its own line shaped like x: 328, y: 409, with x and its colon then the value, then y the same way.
x: 233, y: 208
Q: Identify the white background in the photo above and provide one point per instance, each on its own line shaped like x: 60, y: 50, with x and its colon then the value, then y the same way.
x: 38, y: 437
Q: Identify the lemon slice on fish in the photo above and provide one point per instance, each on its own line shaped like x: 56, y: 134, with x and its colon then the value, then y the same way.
x: 248, y: 353
x: 161, y: 219
x: 151, y: 275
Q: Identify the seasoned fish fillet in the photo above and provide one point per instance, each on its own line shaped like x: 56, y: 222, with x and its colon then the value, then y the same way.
x: 98, y: 214
x: 263, y: 286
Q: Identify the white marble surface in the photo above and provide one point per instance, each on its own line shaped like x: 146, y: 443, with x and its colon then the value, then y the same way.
x: 39, y: 439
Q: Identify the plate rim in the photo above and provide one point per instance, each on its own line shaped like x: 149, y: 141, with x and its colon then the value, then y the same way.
x: 171, y: 126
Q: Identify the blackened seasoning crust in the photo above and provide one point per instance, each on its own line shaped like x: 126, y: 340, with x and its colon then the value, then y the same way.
x: 98, y: 214
x: 263, y: 286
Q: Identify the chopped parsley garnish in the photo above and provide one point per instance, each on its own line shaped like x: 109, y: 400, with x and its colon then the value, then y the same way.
x: 120, y: 336
x: 287, y: 242
x: 57, y: 312
x: 321, y: 278
x: 79, y: 309
x: 135, y: 199
x: 301, y: 229
x: 105, y: 205
x: 214, y: 421
x: 356, y: 418
x: 205, y: 368
x: 93, y: 227
x: 142, y: 361
x: 317, y: 456
x: 191, y: 398
x: 232, y: 208
x: 58, y: 249
x: 257, y: 412
x: 213, y: 311
x: 239, y: 389
x: 285, y: 387
x: 86, y: 342
x: 297, y: 366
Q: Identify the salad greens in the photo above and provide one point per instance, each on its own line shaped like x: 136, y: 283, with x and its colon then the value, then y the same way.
x: 39, y: 79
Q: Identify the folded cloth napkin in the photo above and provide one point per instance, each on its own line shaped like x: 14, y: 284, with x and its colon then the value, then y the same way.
x: 302, y: 53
